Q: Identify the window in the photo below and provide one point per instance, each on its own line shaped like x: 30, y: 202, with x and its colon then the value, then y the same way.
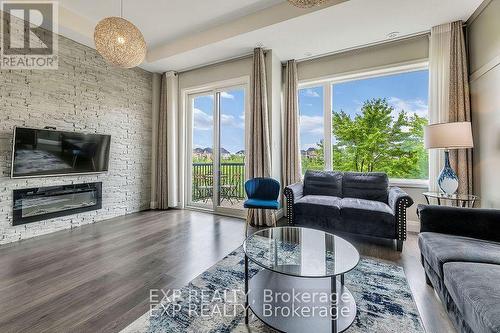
x: 376, y: 125
x: 312, y: 128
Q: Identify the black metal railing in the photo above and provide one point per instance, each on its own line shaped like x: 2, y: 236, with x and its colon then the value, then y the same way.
x: 231, y: 181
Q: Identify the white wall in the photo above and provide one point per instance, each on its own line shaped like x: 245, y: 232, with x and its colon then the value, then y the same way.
x: 388, y: 54
x: 483, y: 32
x: 411, y: 213
x: 219, y: 72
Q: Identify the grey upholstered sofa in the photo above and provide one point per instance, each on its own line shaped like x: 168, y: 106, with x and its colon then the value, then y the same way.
x: 460, y: 250
x: 360, y: 203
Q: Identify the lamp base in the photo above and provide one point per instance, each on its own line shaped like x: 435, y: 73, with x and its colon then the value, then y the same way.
x: 448, y: 179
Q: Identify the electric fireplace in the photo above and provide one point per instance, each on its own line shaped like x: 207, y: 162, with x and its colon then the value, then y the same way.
x: 42, y: 203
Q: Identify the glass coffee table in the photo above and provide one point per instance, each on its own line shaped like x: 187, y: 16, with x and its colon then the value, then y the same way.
x: 300, y: 286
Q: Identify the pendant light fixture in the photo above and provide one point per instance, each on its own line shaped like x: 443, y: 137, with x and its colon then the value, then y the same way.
x: 306, y: 3
x: 119, y: 42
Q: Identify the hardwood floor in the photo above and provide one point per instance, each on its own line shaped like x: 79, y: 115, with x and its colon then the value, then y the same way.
x: 96, y: 278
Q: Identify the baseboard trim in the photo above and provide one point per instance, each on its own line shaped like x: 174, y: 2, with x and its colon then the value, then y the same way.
x: 413, y: 226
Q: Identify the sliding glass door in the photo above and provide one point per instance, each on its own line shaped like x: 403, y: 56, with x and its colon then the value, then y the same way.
x: 231, y: 157
x: 202, y: 161
x: 217, y: 146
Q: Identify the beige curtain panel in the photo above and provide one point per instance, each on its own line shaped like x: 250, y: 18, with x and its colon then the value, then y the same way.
x: 459, y: 104
x: 259, y: 153
x: 439, y: 86
x: 161, y: 193
x: 291, y: 156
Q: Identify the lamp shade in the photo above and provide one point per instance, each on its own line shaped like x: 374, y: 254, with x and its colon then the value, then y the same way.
x: 120, y: 42
x: 448, y: 136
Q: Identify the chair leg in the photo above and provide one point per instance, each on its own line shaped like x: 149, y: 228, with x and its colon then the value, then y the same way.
x: 249, y: 220
x: 273, y: 218
x: 399, y: 245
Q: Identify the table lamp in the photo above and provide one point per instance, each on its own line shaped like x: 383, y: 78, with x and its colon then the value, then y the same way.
x: 448, y: 136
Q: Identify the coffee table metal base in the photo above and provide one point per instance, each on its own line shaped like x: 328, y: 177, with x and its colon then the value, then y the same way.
x: 287, y: 315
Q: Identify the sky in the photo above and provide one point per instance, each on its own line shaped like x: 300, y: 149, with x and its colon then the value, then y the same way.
x: 232, y: 115
x: 406, y: 91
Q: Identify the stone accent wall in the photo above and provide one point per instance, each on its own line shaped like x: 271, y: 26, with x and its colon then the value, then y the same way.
x: 86, y: 95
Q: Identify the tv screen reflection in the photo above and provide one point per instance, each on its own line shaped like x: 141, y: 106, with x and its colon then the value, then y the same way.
x: 48, y: 152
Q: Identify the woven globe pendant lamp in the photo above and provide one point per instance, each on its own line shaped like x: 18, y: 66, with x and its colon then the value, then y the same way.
x: 307, y: 3
x: 120, y: 42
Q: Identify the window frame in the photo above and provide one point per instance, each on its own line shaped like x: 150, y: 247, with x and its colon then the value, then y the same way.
x: 328, y: 83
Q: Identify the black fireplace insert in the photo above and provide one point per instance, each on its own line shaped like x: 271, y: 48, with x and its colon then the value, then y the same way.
x: 42, y: 203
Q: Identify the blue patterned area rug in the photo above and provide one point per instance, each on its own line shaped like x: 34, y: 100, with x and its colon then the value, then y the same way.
x: 382, y: 294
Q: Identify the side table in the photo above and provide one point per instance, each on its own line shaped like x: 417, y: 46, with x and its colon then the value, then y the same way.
x: 461, y: 200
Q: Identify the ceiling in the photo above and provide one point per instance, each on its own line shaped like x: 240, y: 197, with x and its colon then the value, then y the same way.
x: 183, y: 34
x: 165, y: 20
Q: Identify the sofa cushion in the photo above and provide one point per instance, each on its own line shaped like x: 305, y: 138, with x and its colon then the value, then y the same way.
x: 264, y: 204
x: 367, y: 217
x: 318, y: 205
x: 475, y: 291
x: 439, y: 249
x: 323, y: 183
x: 369, y: 186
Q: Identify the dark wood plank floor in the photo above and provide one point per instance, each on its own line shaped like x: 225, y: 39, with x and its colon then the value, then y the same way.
x: 97, y: 278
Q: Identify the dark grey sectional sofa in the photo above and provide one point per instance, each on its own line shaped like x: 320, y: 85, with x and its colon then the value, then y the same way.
x: 460, y: 250
x: 352, y: 202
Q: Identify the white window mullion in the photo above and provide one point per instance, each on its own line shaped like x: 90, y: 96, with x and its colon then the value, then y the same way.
x: 327, y: 114
x: 216, y: 150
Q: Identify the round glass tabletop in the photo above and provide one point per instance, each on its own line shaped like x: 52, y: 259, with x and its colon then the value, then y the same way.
x: 301, y: 252
x: 461, y: 197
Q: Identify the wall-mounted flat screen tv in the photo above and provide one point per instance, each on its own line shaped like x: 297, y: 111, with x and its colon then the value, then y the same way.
x: 43, y: 152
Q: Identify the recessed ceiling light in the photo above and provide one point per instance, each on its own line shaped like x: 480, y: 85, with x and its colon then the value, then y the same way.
x: 393, y: 34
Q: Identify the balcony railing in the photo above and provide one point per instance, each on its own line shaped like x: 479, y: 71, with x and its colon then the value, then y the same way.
x: 231, y: 182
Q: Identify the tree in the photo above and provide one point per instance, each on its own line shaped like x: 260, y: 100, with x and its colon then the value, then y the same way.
x: 316, y: 162
x: 380, y: 139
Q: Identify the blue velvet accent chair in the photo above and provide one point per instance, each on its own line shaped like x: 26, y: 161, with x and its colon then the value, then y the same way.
x: 262, y: 193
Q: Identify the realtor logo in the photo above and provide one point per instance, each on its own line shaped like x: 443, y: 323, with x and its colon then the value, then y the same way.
x: 29, y: 35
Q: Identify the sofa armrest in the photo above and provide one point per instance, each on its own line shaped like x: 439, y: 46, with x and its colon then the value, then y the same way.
x: 292, y: 193
x: 399, y: 201
x: 467, y: 222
